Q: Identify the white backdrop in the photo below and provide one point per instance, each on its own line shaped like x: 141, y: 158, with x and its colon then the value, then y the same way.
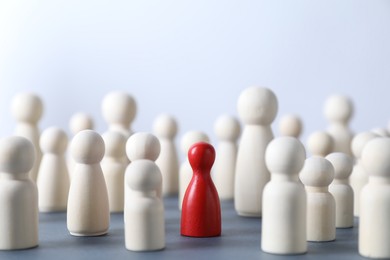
x: 193, y: 58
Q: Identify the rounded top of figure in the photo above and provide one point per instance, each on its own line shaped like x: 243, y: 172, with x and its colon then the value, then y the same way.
x: 27, y: 107
x: 79, y: 122
x: 317, y: 172
x: 338, y: 108
x: 227, y: 127
x: 290, y: 125
x: 17, y: 155
x: 359, y: 141
x: 342, y: 164
x: 165, y: 126
x: 192, y: 137
x: 143, y: 146
x: 53, y: 140
x: 257, y: 106
x: 201, y: 156
x: 143, y: 175
x: 320, y: 144
x: 87, y: 147
x: 375, y: 157
x: 380, y: 131
x: 119, y: 107
x: 115, y: 144
x: 285, y: 155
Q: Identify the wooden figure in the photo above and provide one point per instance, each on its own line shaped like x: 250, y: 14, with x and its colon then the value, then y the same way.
x: 338, y: 110
x: 227, y: 128
x: 78, y: 122
x: 359, y: 176
x: 257, y: 108
x: 88, y: 210
x: 284, y: 199
x: 27, y: 109
x: 290, y: 125
x: 374, y: 222
x: 320, y: 144
x: 114, y: 166
x: 185, y: 173
x: 53, y: 178
x: 341, y: 190
x: 165, y: 128
x: 18, y: 195
x: 316, y: 175
x: 119, y: 109
x: 201, y: 211
x: 144, y: 146
x: 144, y: 224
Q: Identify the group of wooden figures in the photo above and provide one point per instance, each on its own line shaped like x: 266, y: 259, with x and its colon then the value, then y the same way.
x: 300, y: 199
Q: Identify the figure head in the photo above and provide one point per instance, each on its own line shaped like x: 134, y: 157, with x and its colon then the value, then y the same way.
x: 53, y: 140
x: 143, y: 146
x: 17, y: 155
x: 87, y: 147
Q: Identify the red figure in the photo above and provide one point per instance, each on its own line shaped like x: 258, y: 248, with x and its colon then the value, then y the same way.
x: 201, y: 210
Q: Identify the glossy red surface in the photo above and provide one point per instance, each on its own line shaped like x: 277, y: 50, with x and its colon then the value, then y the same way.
x: 201, y: 210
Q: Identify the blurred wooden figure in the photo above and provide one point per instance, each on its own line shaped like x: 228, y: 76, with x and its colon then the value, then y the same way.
x: 227, y: 128
x: 18, y: 195
x: 53, y: 178
x: 165, y: 128
x: 290, y: 125
x: 27, y: 109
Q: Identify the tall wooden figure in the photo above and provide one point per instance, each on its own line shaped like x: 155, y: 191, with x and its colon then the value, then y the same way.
x: 201, y: 211
x: 284, y: 199
x: 88, y: 210
x: 257, y: 108
x: 27, y: 109
x: 18, y: 195
x: 374, y: 225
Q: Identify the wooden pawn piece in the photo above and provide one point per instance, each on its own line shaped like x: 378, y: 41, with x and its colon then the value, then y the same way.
x: 27, y: 109
x: 341, y: 190
x: 316, y: 175
x: 114, y: 167
x: 284, y: 199
x: 165, y: 128
x: 374, y: 222
x: 227, y: 128
x: 88, y: 209
x: 18, y: 195
x: 53, y: 178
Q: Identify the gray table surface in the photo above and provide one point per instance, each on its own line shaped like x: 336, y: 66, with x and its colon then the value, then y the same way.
x: 240, y: 239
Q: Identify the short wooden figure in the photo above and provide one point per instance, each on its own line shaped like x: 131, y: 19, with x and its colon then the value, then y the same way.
x: 114, y: 167
x: 341, y: 190
x: 119, y: 109
x: 53, y: 177
x: 338, y: 110
x: 320, y: 144
x: 257, y: 108
x: 27, y: 109
x: 290, y: 125
x: 144, y: 146
x: 165, y: 128
x: 359, y: 176
x: 18, y: 195
x: 185, y: 173
x: 88, y: 210
x: 227, y: 129
x: 144, y: 224
x: 374, y: 222
x: 201, y: 211
x: 284, y: 199
x: 316, y: 175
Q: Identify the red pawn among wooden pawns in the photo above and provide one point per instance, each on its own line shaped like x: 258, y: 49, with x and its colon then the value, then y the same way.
x: 201, y: 209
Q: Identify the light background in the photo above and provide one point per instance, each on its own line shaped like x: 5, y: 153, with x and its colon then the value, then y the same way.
x: 193, y: 58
